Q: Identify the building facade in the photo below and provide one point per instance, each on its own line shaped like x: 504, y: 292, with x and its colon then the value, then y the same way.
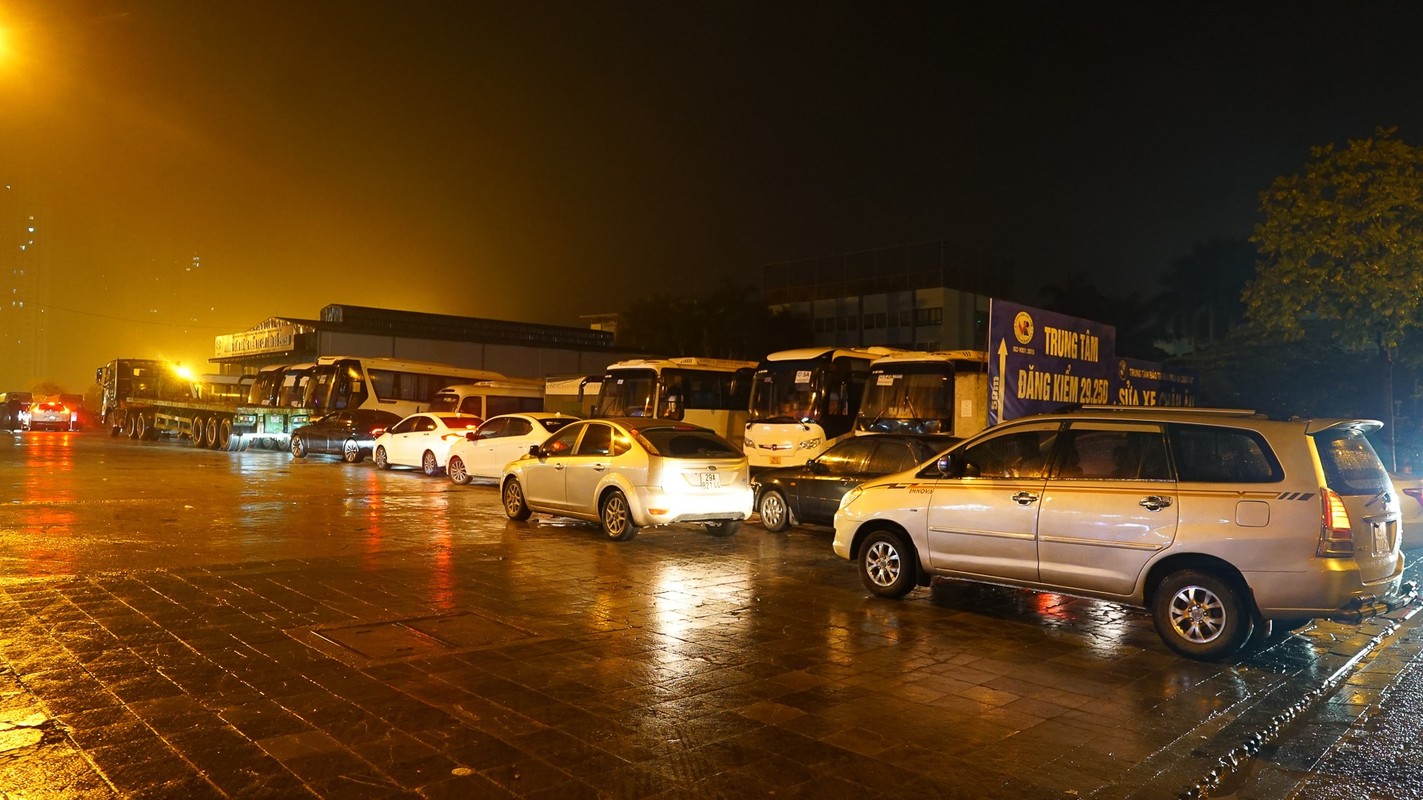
x: 926, y: 296
x: 25, y: 283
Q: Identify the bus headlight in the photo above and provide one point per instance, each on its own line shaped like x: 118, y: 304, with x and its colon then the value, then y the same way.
x: 811, y: 444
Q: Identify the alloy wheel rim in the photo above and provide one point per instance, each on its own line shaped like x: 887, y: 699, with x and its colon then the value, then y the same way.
x: 615, y: 515
x: 773, y: 510
x: 1197, y: 614
x: 882, y: 562
x: 513, y: 498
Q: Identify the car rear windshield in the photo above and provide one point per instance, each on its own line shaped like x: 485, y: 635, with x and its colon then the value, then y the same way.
x: 557, y: 422
x: 463, y: 422
x: 1351, y: 467
x: 676, y: 443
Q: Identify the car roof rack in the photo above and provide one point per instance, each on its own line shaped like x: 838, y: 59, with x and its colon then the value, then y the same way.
x: 1221, y: 412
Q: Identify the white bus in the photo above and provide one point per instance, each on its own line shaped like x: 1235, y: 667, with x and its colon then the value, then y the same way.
x: 803, y: 401
x: 282, y: 400
x: 936, y: 393
x: 710, y: 392
x: 487, y: 399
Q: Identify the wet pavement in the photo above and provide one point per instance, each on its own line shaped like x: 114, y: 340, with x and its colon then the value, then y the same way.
x: 185, y: 623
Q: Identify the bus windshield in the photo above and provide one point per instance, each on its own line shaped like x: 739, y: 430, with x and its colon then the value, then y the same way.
x: 627, y: 393
x: 787, y: 391
x: 908, y: 398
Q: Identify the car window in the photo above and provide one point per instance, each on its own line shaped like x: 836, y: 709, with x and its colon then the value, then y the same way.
x: 1208, y: 454
x: 1351, y: 467
x: 492, y: 429
x: 847, y: 457
x: 688, y: 443
x: 556, y: 423
x: 893, y: 457
x: 561, y: 444
x: 405, y: 425
x: 597, y: 441
x: 1020, y: 454
x: 424, y: 424
x: 1113, y: 451
x: 517, y: 426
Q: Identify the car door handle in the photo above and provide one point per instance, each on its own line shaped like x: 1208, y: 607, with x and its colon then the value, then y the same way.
x: 558, y: 467
x: 600, y: 467
x: 1154, y: 502
x: 1025, y: 498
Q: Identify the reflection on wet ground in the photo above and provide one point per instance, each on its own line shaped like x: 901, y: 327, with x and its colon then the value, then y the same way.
x: 189, y: 623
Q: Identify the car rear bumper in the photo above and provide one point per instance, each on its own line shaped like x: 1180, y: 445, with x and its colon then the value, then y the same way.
x: 657, y: 507
x: 1333, y: 591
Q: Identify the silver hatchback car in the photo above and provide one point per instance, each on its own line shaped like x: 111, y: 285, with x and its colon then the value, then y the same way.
x: 632, y: 472
x: 1221, y: 522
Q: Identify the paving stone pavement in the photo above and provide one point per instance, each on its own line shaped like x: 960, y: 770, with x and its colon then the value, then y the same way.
x: 553, y: 664
x: 437, y: 650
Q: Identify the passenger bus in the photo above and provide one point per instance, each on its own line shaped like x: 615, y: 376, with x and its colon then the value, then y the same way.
x: 286, y: 398
x: 941, y: 393
x: 710, y: 392
x: 803, y: 401
x: 486, y: 399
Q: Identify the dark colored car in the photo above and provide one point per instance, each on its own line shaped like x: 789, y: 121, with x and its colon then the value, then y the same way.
x: 811, y: 492
x: 348, y: 434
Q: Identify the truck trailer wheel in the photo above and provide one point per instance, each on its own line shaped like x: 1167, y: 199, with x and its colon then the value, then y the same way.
x: 131, y: 426
x: 197, y: 434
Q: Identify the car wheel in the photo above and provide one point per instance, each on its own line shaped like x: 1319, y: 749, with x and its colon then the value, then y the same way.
x: 616, y: 517
x: 298, y: 447
x: 381, y: 459
x: 726, y: 527
x: 889, y: 567
x: 1201, y: 616
x: 351, y: 452
x: 455, y: 469
x: 513, y: 496
x: 775, y: 515
x: 429, y: 465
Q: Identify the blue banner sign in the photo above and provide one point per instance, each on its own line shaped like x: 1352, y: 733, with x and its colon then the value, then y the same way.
x: 1039, y: 361
x: 1148, y: 383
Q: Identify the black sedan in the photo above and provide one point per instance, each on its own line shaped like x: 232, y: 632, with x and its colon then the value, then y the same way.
x: 348, y: 434
x: 812, y: 492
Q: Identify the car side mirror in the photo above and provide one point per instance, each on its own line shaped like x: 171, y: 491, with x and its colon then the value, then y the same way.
x: 536, y: 450
x: 469, y: 436
x: 816, y: 467
x: 955, y: 467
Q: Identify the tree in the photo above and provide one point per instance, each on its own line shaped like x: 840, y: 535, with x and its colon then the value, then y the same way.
x: 1079, y: 296
x: 731, y: 322
x: 1340, y: 244
x: 1201, y: 301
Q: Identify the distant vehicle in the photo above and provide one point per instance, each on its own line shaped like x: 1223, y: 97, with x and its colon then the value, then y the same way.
x: 574, y: 395
x: 709, y: 392
x: 629, y: 473
x: 803, y: 401
x: 486, y: 399
x: 348, y: 434
x: 484, y: 451
x: 933, y: 393
x: 15, y: 410
x: 53, y: 415
x: 1410, y: 503
x: 281, y: 400
x: 422, y: 440
x: 811, y: 492
x: 145, y: 398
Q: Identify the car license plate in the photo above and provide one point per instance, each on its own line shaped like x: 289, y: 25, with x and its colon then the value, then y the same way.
x: 775, y: 459
x: 710, y: 480
x: 1380, y: 540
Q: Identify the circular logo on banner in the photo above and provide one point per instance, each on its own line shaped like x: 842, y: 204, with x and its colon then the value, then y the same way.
x: 1023, y: 327
x: 1122, y: 369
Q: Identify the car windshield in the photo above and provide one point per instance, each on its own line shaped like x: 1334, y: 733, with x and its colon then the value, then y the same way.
x: 1351, y: 467
x: 687, y: 443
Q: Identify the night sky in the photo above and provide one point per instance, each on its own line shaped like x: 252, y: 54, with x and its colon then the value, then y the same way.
x: 542, y: 160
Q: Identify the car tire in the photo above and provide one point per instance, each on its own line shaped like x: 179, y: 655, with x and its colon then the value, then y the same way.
x: 351, y: 452
x: 1202, y: 616
x: 381, y: 459
x: 725, y: 528
x: 889, y: 567
x: 298, y: 447
x: 455, y: 469
x: 512, y: 495
x: 616, y: 516
x: 775, y: 514
x: 429, y: 465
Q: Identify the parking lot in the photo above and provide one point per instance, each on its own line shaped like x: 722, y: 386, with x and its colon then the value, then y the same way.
x: 185, y: 623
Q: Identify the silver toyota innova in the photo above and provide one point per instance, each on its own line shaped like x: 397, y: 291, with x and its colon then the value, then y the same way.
x: 1221, y: 522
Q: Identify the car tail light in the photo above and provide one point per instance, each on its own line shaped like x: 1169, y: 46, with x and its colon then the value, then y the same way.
x: 1337, y: 539
x: 1416, y: 494
x: 450, y: 437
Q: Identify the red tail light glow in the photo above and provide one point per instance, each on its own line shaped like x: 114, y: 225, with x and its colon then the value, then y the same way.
x: 1337, y: 537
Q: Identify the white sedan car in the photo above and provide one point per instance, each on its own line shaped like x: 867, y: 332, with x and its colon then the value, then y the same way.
x: 484, y: 452
x: 628, y: 473
x: 422, y: 440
